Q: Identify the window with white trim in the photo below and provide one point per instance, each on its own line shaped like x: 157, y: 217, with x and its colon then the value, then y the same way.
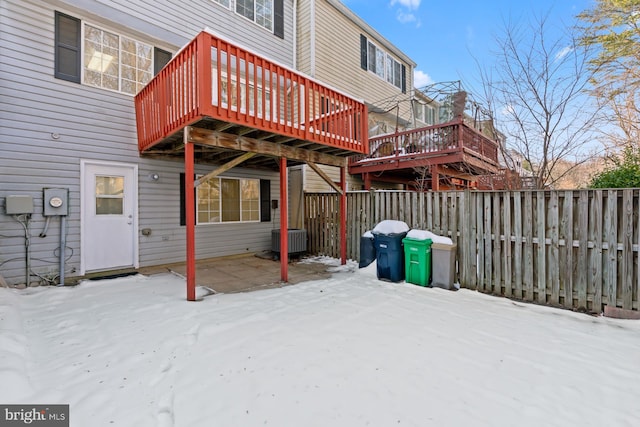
x: 266, y: 13
x: 425, y: 113
x: 88, y: 54
x: 222, y: 200
x: 384, y: 65
x: 258, y: 11
x: 115, y: 62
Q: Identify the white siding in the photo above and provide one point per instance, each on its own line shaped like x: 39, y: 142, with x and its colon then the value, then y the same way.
x: 99, y: 125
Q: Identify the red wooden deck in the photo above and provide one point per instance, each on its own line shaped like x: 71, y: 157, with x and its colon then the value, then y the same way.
x: 241, y: 108
x: 451, y: 149
x: 214, y: 84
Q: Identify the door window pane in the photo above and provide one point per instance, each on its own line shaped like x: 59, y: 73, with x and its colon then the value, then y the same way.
x: 109, y: 195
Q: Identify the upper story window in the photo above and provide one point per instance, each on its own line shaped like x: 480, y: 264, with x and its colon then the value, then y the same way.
x: 425, y: 113
x: 382, y: 64
x: 97, y: 57
x: 266, y: 13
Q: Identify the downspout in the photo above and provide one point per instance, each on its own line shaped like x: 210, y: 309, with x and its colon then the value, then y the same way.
x: 295, y: 34
x: 312, y: 42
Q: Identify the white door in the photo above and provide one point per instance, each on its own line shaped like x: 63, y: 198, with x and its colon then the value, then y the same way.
x: 109, y: 201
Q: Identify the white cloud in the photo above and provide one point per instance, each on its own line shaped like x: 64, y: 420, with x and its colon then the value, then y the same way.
x: 405, y: 18
x: 563, y: 52
x: 420, y: 79
x: 409, y: 4
x: 507, y: 111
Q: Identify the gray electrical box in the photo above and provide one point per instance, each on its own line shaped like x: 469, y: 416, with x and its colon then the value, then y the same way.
x: 55, y: 202
x: 18, y: 205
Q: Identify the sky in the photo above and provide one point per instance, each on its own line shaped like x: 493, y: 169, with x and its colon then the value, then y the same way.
x: 347, y: 351
x: 448, y: 39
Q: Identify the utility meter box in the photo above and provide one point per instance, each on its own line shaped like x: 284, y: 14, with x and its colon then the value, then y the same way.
x: 18, y: 205
x: 56, y: 202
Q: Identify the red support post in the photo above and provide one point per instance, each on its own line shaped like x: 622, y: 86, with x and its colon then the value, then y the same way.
x: 367, y: 180
x: 343, y: 215
x: 284, y: 223
x: 435, y: 178
x: 190, y: 205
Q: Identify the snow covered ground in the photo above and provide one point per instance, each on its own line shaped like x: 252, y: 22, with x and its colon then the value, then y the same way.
x: 348, y: 351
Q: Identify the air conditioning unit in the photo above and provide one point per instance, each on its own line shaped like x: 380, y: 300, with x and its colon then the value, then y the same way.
x: 297, y: 241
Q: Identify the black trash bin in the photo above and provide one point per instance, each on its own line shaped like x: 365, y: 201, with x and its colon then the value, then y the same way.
x: 389, y: 256
x: 367, y: 250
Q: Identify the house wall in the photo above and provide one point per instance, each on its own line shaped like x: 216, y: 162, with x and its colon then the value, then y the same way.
x: 97, y: 124
x: 337, y: 55
x: 328, y: 37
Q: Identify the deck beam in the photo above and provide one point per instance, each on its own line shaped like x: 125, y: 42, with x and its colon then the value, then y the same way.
x: 273, y: 149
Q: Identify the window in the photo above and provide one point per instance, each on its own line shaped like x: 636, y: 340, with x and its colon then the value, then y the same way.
x: 109, y: 194
x: 228, y: 200
x: 429, y: 116
x: 259, y: 11
x: 425, y: 113
x: 382, y: 64
x: 67, y: 45
x: 115, y: 62
x: 108, y: 60
x: 419, y: 111
x: 266, y: 13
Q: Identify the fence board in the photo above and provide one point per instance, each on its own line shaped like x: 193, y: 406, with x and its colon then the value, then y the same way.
x: 488, y: 250
x: 583, y: 239
x: 611, y: 230
x: 517, y: 249
x: 554, y: 259
x: 496, y: 272
x: 627, y: 249
x: 480, y: 239
x: 473, y: 241
x: 528, y: 248
x: 597, y: 263
x: 506, y: 221
x: 541, y: 223
x: 566, y: 233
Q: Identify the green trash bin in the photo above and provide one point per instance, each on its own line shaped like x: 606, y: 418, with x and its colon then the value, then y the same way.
x: 417, y: 261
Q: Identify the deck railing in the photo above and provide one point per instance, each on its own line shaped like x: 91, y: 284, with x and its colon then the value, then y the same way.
x: 439, y: 139
x: 213, y: 78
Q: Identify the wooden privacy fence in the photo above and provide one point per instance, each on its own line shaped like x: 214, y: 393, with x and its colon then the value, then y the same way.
x: 576, y: 249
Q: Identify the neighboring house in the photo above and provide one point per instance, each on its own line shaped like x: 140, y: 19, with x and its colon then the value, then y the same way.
x: 336, y: 46
x: 69, y: 70
x: 426, y: 111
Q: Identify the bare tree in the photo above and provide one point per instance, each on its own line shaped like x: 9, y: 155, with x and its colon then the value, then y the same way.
x: 537, y: 90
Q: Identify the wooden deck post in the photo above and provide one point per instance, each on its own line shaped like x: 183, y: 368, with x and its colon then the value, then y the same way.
x: 190, y: 217
x: 284, y: 224
x: 435, y: 178
x: 343, y: 215
x: 366, y: 177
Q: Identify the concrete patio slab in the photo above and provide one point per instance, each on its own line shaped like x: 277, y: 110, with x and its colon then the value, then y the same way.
x: 242, y: 273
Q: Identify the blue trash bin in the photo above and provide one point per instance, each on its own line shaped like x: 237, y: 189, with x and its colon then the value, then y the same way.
x: 389, y: 256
